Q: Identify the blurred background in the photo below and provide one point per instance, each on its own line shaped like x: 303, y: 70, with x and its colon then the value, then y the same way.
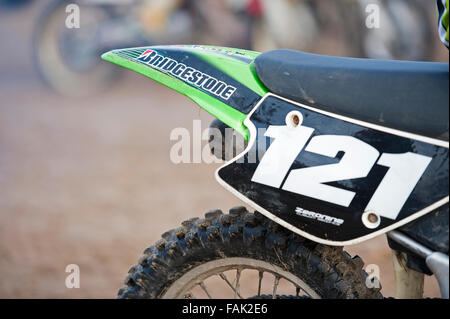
x: 85, y: 175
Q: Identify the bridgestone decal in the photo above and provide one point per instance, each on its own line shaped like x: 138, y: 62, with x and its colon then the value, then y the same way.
x: 187, y: 74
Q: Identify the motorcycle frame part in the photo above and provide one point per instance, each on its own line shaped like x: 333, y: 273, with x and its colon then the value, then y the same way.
x: 408, y: 282
x: 253, y: 133
x: 437, y: 262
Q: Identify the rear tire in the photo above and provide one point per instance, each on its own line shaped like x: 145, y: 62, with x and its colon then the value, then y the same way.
x: 240, y: 235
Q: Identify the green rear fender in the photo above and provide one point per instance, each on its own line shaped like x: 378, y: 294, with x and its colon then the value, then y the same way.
x: 220, y: 80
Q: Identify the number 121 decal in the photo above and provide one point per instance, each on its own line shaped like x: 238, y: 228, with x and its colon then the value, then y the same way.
x: 359, y: 157
x: 370, y: 177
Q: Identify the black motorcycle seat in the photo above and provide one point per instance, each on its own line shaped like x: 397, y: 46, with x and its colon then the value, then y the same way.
x: 404, y: 95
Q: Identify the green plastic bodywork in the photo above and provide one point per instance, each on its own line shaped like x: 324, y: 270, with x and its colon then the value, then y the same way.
x: 242, y: 70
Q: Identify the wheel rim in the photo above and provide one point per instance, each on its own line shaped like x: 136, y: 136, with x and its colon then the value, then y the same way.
x: 196, y: 277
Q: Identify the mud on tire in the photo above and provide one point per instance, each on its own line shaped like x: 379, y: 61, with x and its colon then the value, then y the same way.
x: 329, y: 271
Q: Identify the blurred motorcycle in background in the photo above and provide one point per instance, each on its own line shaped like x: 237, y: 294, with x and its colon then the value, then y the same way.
x: 299, y: 24
x: 67, y: 59
x: 13, y: 4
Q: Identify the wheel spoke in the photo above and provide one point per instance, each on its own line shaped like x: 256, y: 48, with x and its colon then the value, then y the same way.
x: 222, y: 275
x: 225, y: 269
x: 202, y: 285
x: 238, y: 276
x: 275, y: 286
x: 261, y: 274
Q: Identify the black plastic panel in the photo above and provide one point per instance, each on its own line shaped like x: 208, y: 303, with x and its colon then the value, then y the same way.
x: 432, y: 186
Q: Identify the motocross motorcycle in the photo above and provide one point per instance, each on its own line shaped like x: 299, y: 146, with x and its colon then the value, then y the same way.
x: 357, y: 148
x: 67, y: 57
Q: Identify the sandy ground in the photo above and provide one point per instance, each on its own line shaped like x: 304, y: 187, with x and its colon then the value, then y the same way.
x: 89, y: 182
